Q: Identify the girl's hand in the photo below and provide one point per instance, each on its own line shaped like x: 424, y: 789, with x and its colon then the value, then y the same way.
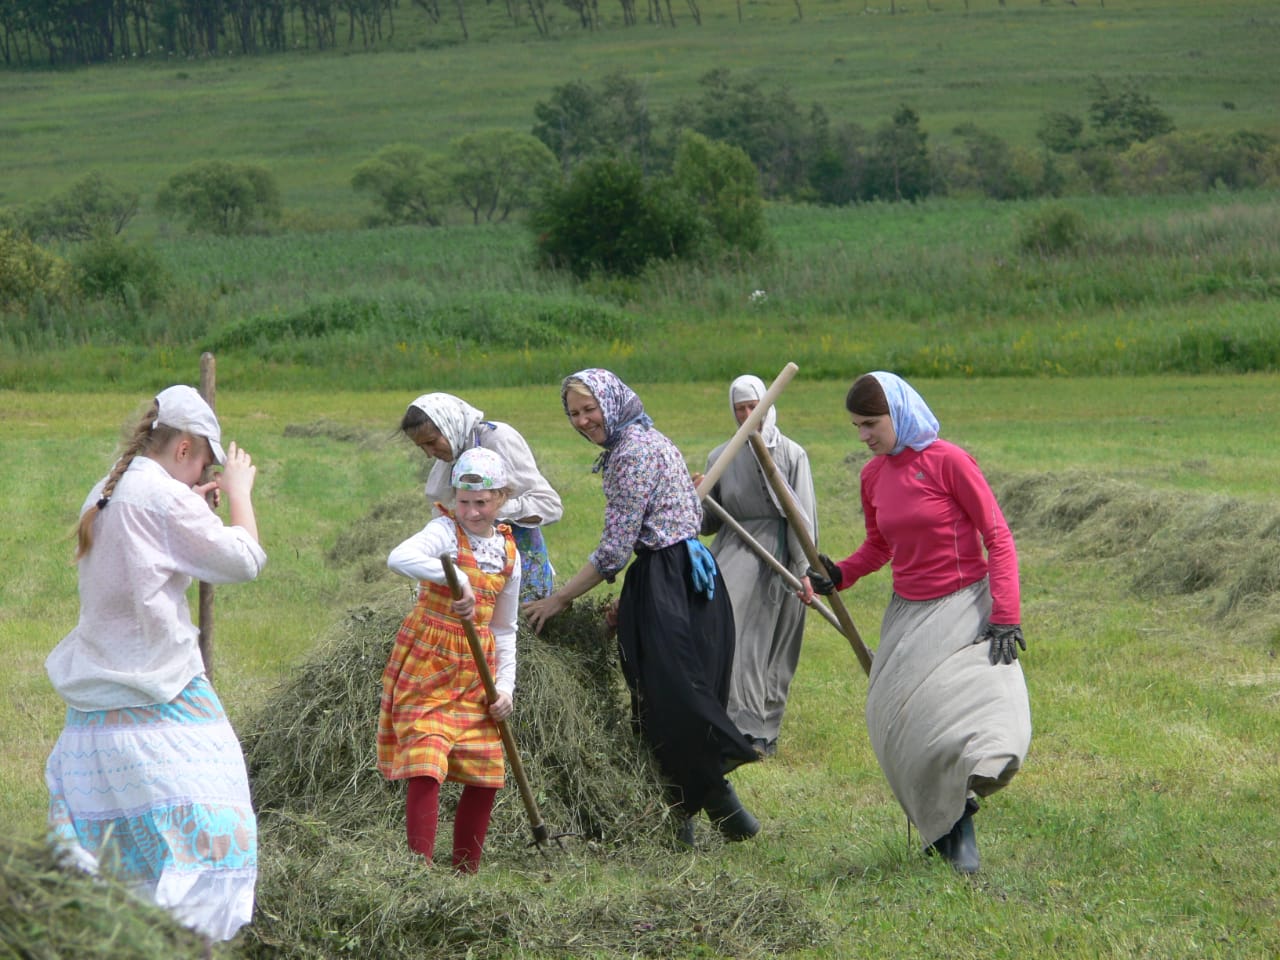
x: 805, y: 593
x: 238, y: 473
x: 465, y: 605
x: 538, y: 612
x: 501, y: 708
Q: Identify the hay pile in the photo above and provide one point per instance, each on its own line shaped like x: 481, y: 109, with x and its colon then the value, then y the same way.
x: 48, y: 912
x: 337, y: 878
x: 1223, y: 551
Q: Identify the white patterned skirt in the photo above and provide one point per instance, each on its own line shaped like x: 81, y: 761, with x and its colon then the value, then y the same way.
x: 158, y: 797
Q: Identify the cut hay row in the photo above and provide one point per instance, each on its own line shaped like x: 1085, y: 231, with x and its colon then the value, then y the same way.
x: 1223, y: 550
x: 48, y: 912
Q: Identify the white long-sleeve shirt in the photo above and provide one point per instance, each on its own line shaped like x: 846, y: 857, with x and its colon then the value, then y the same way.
x: 419, y: 559
x: 135, y: 643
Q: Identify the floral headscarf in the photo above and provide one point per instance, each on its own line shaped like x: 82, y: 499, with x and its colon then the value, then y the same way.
x: 618, y: 403
x: 454, y: 418
x: 913, y: 421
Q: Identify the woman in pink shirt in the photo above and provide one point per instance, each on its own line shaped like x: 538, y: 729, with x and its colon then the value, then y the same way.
x: 947, y: 708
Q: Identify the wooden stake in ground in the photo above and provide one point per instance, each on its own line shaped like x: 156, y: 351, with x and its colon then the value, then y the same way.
x: 797, y: 521
x: 770, y: 560
x: 208, y: 390
x: 540, y: 832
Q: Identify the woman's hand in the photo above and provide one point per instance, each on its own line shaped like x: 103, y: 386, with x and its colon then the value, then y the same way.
x: 805, y: 593
x: 538, y: 612
x: 501, y: 708
x: 465, y: 605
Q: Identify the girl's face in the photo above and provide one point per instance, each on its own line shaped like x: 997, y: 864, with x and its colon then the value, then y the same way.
x: 876, y: 432
x: 743, y: 410
x: 432, y: 442
x: 188, y: 459
x: 476, y: 510
x: 586, y: 416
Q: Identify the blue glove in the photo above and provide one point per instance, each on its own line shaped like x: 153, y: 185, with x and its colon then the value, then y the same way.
x: 702, y: 568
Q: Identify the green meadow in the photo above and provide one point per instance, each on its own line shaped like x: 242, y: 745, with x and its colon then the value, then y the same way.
x: 1121, y: 395
x: 1142, y: 825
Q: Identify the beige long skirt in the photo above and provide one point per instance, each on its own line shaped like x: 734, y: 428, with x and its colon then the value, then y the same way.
x: 944, y: 723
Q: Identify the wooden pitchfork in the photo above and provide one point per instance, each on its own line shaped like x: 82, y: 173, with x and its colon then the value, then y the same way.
x: 541, y: 836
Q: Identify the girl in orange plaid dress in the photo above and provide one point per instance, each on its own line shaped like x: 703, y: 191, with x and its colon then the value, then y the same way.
x: 435, y: 721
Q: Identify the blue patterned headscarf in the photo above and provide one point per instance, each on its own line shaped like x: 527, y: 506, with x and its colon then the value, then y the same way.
x: 618, y: 402
x: 913, y: 421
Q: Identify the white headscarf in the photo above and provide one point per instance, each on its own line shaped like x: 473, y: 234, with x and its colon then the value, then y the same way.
x: 455, y: 419
x: 749, y: 387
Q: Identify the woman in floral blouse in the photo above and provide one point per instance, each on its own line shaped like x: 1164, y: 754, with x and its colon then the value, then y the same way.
x: 675, y: 622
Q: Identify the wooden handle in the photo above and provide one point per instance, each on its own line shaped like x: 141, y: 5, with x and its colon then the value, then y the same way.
x: 801, y: 530
x: 770, y: 560
x: 540, y: 833
x: 209, y: 391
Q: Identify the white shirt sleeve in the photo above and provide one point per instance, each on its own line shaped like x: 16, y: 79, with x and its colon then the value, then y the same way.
x: 418, y: 558
x: 503, y: 625
x: 531, y: 494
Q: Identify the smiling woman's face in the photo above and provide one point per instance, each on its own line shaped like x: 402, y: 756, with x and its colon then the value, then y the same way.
x: 585, y: 415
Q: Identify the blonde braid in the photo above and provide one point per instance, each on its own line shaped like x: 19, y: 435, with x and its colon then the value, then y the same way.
x: 141, y: 440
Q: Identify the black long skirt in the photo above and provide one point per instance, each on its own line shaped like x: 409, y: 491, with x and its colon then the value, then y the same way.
x: 677, y: 656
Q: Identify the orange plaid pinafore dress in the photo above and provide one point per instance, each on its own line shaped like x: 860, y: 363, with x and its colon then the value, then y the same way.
x: 434, y: 717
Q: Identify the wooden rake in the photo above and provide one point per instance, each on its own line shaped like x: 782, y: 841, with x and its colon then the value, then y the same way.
x: 541, y: 835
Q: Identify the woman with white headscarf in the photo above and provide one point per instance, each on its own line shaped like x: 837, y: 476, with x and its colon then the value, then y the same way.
x: 947, y: 708
x: 769, y: 616
x: 443, y: 427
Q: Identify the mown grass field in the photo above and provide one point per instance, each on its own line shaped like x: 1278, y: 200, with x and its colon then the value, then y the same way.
x: 1120, y: 396
x: 1144, y: 823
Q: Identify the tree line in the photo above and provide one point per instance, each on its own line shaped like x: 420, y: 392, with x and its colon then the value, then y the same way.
x: 37, y: 33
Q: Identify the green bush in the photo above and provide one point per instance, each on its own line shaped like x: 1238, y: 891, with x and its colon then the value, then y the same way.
x: 498, y: 171
x: 107, y: 267
x: 29, y: 272
x: 1122, y: 114
x: 223, y: 198
x: 91, y: 207
x: 1052, y: 231
x: 409, y: 185
x: 607, y: 218
x: 1182, y: 163
x: 724, y: 183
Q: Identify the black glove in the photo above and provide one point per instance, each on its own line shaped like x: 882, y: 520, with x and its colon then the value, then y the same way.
x: 1005, y: 639
x: 825, y: 583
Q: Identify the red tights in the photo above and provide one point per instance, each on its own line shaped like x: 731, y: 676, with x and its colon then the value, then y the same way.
x: 422, y: 812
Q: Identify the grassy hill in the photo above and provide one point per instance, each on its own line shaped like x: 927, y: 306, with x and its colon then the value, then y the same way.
x: 311, y: 117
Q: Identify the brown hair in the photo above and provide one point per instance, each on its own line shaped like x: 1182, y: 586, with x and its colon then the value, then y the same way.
x: 866, y: 397
x: 414, y: 419
x: 145, y: 437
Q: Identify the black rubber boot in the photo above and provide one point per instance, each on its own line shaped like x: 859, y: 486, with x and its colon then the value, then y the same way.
x: 684, y: 832
x: 963, y: 848
x: 730, y: 817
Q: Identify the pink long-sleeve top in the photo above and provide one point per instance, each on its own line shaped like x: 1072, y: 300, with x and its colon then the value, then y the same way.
x: 930, y: 513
